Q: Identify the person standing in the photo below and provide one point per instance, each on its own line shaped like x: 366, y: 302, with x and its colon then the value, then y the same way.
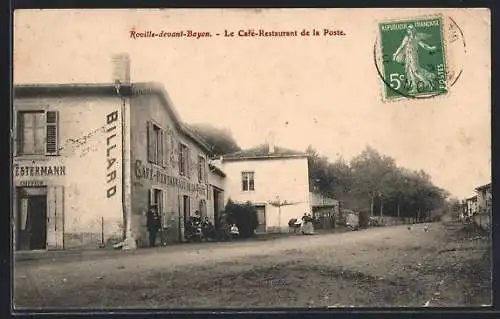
x: 307, y: 228
x: 153, y: 224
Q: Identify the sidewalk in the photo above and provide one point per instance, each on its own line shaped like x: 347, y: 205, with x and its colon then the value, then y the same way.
x: 110, y: 253
x: 70, y: 255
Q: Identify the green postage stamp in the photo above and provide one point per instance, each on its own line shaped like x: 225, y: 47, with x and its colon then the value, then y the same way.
x: 413, y: 58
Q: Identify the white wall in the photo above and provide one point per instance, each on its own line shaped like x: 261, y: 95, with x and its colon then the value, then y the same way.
x: 287, y: 178
x: 82, y: 143
x: 483, y: 199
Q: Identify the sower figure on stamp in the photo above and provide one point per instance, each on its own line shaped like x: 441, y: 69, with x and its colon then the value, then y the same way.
x: 153, y: 224
x: 407, y: 54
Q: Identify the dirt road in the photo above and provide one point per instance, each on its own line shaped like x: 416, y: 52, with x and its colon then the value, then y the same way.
x: 391, y: 266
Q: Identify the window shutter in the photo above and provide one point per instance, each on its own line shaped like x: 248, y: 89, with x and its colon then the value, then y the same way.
x: 52, y: 134
x: 188, y: 163
x: 160, y: 149
x: 205, y: 170
x: 180, y: 158
x: 17, y: 129
x: 59, y: 218
x: 55, y: 217
x: 165, y: 139
x: 198, y: 170
x: 150, y: 141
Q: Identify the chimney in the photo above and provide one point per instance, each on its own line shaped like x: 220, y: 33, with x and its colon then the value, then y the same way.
x: 271, y: 143
x: 121, y: 68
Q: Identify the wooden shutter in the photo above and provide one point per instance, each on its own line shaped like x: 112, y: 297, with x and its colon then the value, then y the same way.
x: 16, y: 133
x: 188, y: 163
x: 150, y: 141
x: 198, y: 169
x: 55, y: 220
x: 150, y: 198
x: 162, y: 148
x: 180, y: 158
x: 165, y: 142
x: 52, y: 134
x: 205, y: 170
x: 173, y: 148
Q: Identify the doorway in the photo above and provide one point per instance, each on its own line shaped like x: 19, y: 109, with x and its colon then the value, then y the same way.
x: 261, y: 218
x: 32, y: 219
x: 186, y: 206
x: 217, y: 209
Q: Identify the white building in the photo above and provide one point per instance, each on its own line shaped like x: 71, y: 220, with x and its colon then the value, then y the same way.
x: 483, y: 205
x: 89, y: 159
x: 470, y: 206
x: 274, y: 179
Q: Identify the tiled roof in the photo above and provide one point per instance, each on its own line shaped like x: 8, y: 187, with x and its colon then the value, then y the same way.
x: 262, y: 151
x: 483, y: 187
x: 321, y: 200
x: 216, y: 170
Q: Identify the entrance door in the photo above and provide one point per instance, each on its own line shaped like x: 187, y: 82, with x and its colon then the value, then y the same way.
x: 37, y: 210
x: 186, y: 212
x: 186, y: 207
x: 32, y: 222
x: 216, y: 207
x: 261, y: 217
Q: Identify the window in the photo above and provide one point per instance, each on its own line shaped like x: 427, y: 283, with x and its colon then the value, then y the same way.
x: 201, y: 169
x: 156, y: 145
x: 156, y: 198
x: 183, y: 159
x: 37, y: 133
x: 248, y: 181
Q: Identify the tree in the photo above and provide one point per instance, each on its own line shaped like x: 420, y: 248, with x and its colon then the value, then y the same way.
x: 221, y: 141
x: 341, y: 176
x: 371, y: 173
x: 373, y: 182
x: 320, y: 177
x: 244, y: 216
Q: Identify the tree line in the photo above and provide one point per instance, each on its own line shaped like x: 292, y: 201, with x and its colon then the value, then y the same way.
x: 372, y: 182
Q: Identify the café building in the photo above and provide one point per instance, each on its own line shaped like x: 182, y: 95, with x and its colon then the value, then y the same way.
x: 89, y: 159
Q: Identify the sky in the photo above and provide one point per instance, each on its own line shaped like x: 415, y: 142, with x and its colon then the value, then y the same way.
x: 323, y: 91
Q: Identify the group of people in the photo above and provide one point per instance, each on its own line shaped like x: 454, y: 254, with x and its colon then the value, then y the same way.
x: 304, y: 225
x: 154, y: 225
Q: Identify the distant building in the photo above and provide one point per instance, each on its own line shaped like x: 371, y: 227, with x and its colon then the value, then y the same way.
x: 470, y: 206
x: 484, y: 205
x: 90, y: 158
x: 274, y: 179
x: 484, y: 197
x: 326, y: 211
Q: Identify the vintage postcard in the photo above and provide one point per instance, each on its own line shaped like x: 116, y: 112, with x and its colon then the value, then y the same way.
x: 251, y: 158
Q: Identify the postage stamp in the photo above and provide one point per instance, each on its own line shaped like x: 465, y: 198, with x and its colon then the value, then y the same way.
x: 413, y: 58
